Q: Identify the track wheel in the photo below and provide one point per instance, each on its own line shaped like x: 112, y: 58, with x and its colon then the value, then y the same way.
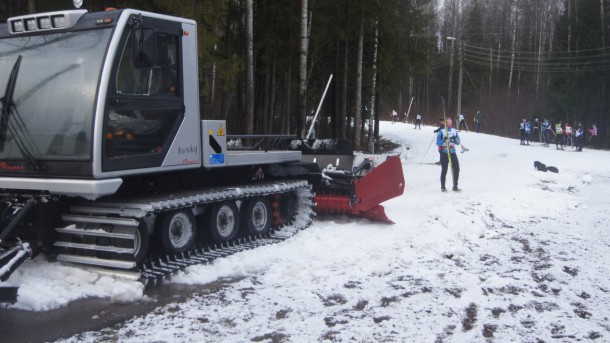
x: 256, y: 216
x: 178, y: 231
x: 140, y: 242
x: 224, y: 221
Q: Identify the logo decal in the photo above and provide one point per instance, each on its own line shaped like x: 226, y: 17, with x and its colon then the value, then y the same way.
x: 6, y: 166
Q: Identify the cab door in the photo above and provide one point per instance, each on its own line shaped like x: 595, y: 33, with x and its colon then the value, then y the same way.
x: 145, y: 102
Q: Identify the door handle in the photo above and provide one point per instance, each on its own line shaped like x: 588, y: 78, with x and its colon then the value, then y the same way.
x: 118, y: 102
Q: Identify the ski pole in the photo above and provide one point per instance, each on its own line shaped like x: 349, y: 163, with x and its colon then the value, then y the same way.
x: 426, y: 153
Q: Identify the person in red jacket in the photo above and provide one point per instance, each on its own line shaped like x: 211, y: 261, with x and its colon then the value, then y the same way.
x: 567, y: 134
x: 593, y: 137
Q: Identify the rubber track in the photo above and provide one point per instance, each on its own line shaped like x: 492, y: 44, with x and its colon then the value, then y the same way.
x: 159, y: 269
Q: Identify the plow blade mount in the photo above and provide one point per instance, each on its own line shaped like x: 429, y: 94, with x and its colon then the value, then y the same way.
x: 361, y: 196
x: 10, y: 259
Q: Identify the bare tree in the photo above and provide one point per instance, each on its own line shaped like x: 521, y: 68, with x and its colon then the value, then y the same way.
x: 249, y: 69
x: 373, y: 82
x: 514, y: 16
x: 302, y: 111
x: 603, y: 27
x: 32, y: 6
x: 358, y: 95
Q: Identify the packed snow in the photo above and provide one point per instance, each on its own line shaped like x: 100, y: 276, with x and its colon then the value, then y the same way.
x: 518, y: 255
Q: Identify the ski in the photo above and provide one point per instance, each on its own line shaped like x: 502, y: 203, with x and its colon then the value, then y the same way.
x: 447, y: 142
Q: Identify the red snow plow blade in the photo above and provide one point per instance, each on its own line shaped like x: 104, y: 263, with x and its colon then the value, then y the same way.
x: 343, y: 192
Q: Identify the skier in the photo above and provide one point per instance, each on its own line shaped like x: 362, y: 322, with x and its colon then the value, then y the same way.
x: 593, y: 137
x: 558, y: 135
x: 567, y: 135
x: 418, y: 121
x: 528, y: 130
x: 478, y: 120
x: 546, y: 127
x: 461, y: 122
x: 451, y: 136
x: 394, y: 116
x: 522, y: 131
x: 579, y: 134
x: 536, y: 133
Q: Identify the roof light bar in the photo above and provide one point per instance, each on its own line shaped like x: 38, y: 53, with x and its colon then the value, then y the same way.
x: 44, y: 21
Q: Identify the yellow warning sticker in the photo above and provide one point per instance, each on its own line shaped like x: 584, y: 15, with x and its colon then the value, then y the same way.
x: 221, y: 132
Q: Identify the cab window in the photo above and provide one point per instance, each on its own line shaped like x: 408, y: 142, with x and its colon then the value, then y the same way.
x: 145, y: 106
x: 161, y: 79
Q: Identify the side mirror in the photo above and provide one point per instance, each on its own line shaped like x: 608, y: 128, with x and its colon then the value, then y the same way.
x: 144, y: 48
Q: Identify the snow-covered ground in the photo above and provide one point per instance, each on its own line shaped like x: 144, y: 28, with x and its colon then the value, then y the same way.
x: 519, y: 255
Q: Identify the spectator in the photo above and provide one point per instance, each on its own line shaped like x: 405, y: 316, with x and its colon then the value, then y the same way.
x: 546, y: 132
x: 522, y: 131
x: 567, y: 130
x: 558, y: 136
x: 579, y: 137
x: 536, y: 132
x: 478, y: 120
x: 593, y: 137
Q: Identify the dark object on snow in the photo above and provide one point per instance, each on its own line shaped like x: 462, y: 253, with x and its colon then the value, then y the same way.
x: 540, y: 166
x: 543, y: 168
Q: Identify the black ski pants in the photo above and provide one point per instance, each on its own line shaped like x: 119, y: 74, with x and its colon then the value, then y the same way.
x: 462, y: 125
x: 445, y: 166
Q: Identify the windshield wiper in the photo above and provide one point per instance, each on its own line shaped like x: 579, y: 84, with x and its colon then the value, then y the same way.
x: 7, y: 101
x: 16, y: 126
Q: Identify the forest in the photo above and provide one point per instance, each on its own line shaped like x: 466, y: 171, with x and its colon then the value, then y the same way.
x: 264, y: 65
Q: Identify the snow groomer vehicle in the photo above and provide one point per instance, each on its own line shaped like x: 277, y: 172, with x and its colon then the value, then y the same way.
x: 104, y: 160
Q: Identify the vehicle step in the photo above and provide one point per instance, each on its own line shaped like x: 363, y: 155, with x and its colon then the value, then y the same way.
x: 120, y: 211
x: 95, y: 247
x: 77, y: 218
x: 117, y: 274
x: 95, y: 261
x: 72, y: 230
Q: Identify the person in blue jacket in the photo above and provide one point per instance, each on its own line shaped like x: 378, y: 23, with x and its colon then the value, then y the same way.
x: 441, y: 140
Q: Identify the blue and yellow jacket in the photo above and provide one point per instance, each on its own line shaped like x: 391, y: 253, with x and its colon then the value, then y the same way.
x: 454, y: 139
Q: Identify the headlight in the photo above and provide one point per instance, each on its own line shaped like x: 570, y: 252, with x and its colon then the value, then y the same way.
x: 44, y: 23
x: 17, y: 26
x: 30, y: 24
x: 59, y: 21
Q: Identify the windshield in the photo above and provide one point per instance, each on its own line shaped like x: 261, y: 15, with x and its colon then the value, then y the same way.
x: 53, y: 95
